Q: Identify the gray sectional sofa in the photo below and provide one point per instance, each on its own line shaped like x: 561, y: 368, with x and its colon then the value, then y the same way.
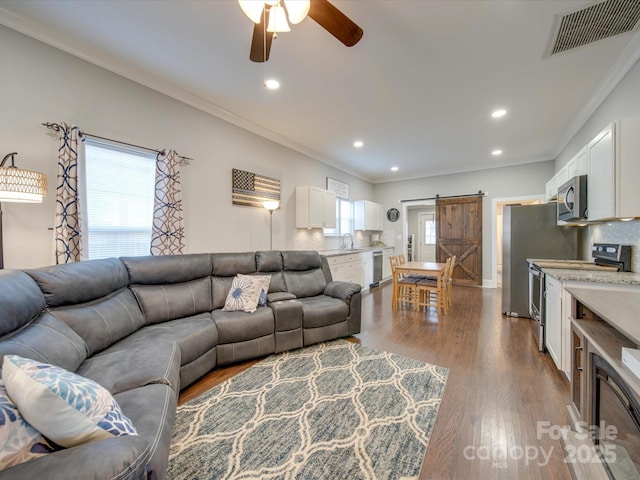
x: 146, y: 327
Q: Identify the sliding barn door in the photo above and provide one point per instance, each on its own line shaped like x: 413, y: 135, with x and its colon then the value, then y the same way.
x: 459, y: 233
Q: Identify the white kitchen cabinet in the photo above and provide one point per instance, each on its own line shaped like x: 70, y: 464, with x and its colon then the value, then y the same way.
x: 347, y: 268
x: 315, y: 208
x: 553, y: 319
x: 612, y: 190
x: 368, y: 215
x: 578, y: 165
x: 601, y: 179
x: 386, y: 264
x: 551, y: 188
x: 367, y: 269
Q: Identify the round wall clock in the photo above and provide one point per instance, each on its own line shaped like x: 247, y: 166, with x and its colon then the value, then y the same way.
x: 393, y: 214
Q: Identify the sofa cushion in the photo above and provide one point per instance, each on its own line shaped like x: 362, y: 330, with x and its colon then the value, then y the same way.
x: 194, y: 335
x: 161, y: 303
x: 167, y: 269
x: 322, y: 310
x: 80, y: 282
x: 306, y: 283
x: 47, y: 339
x: 19, y: 441
x: 240, y: 326
x: 230, y: 264
x: 155, y: 361
x: 220, y: 287
x: 269, y: 261
x: 20, y: 300
x: 63, y: 406
x: 301, y: 260
x: 103, y: 321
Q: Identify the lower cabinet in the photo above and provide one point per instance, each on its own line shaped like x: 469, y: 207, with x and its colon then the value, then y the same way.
x: 347, y: 268
x: 386, y: 264
x: 553, y: 318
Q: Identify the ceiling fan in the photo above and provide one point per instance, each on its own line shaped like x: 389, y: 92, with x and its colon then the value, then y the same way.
x: 273, y: 16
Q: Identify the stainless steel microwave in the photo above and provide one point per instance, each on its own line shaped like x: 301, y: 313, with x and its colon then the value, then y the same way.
x: 572, y: 199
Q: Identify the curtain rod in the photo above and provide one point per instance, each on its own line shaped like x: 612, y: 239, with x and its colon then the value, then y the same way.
x: 479, y: 194
x: 56, y: 127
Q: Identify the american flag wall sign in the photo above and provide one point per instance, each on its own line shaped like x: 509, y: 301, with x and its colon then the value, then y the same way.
x: 251, y: 189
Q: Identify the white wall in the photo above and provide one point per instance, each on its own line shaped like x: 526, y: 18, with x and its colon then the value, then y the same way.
x: 42, y: 84
x: 523, y: 180
x: 622, y: 102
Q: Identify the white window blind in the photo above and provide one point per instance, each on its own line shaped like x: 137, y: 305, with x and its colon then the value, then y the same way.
x: 120, y: 189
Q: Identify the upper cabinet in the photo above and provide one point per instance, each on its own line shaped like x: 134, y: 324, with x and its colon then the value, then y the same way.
x: 368, y: 215
x: 315, y: 208
x: 613, y: 171
x: 578, y: 165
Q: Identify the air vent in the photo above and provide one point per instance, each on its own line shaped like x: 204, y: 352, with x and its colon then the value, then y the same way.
x: 600, y: 20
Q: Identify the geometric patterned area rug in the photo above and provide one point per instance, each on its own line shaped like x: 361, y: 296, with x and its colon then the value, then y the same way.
x: 334, y: 410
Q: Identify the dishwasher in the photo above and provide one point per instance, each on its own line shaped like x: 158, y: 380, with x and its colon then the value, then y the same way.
x: 377, y: 268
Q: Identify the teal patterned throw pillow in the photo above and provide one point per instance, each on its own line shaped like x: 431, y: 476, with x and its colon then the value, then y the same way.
x: 65, y: 407
x: 19, y: 441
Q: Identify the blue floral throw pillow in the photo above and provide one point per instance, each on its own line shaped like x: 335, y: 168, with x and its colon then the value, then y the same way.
x: 19, y: 441
x: 243, y: 295
x: 66, y: 408
x: 263, y: 282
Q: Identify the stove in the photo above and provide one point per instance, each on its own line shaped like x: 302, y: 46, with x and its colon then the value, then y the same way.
x: 606, y: 256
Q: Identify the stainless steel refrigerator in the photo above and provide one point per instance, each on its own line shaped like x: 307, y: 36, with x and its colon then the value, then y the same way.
x: 531, y: 231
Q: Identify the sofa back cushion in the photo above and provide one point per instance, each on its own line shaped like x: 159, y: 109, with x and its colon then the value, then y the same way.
x: 80, y: 282
x: 271, y: 262
x: 303, y: 274
x: 104, y: 321
x: 47, y: 339
x: 171, y: 287
x: 21, y: 300
x: 225, y: 267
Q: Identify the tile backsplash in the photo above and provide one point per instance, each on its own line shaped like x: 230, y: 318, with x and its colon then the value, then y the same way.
x: 625, y: 233
x: 313, y: 239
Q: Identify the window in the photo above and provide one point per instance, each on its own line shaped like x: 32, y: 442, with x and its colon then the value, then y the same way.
x: 429, y: 229
x: 120, y: 184
x: 344, y: 219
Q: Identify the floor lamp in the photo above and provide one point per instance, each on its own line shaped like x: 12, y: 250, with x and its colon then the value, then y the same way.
x: 18, y: 185
x: 271, y: 205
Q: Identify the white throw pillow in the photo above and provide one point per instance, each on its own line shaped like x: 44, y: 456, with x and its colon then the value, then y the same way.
x: 243, y: 294
x: 19, y: 441
x: 65, y: 407
x: 263, y: 284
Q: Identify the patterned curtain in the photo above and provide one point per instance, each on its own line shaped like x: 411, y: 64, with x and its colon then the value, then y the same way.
x: 67, y: 222
x: 167, y: 235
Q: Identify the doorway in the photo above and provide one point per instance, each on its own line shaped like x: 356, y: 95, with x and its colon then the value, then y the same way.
x: 421, y: 233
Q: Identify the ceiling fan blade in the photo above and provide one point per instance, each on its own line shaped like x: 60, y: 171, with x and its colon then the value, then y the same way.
x: 259, y: 50
x: 335, y: 22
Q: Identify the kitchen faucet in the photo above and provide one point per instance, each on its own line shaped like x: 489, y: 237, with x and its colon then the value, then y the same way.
x: 344, y: 245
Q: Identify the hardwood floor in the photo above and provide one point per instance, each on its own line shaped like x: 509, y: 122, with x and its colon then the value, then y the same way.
x: 502, y: 395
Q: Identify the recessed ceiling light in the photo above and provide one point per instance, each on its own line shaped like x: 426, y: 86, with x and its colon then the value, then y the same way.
x: 499, y: 113
x: 272, y: 84
x: 358, y: 144
x: 394, y: 169
x: 496, y: 152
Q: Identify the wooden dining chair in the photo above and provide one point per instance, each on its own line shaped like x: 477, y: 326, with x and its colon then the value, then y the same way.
x: 432, y: 293
x: 404, y: 288
x: 449, y: 281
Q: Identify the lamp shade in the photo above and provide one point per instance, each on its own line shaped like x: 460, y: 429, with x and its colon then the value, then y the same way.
x: 18, y: 185
x: 278, y: 20
x: 252, y: 9
x: 271, y: 204
x: 297, y: 9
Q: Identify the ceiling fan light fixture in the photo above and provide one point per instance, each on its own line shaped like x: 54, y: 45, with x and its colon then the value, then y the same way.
x: 278, y: 20
x: 252, y: 9
x: 297, y: 10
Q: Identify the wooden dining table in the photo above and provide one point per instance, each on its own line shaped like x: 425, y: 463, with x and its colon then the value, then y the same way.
x: 415, y: 268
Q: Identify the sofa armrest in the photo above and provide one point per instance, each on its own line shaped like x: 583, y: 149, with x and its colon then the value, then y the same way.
x: 121, y: 458
x: 280, y: 296
x: 342, y: 290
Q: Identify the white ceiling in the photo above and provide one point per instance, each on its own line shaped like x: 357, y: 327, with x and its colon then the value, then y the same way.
x: 418, y: 89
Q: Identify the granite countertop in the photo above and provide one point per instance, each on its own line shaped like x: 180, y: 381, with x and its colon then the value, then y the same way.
x: 594, y: 276
x: 336, y: 252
